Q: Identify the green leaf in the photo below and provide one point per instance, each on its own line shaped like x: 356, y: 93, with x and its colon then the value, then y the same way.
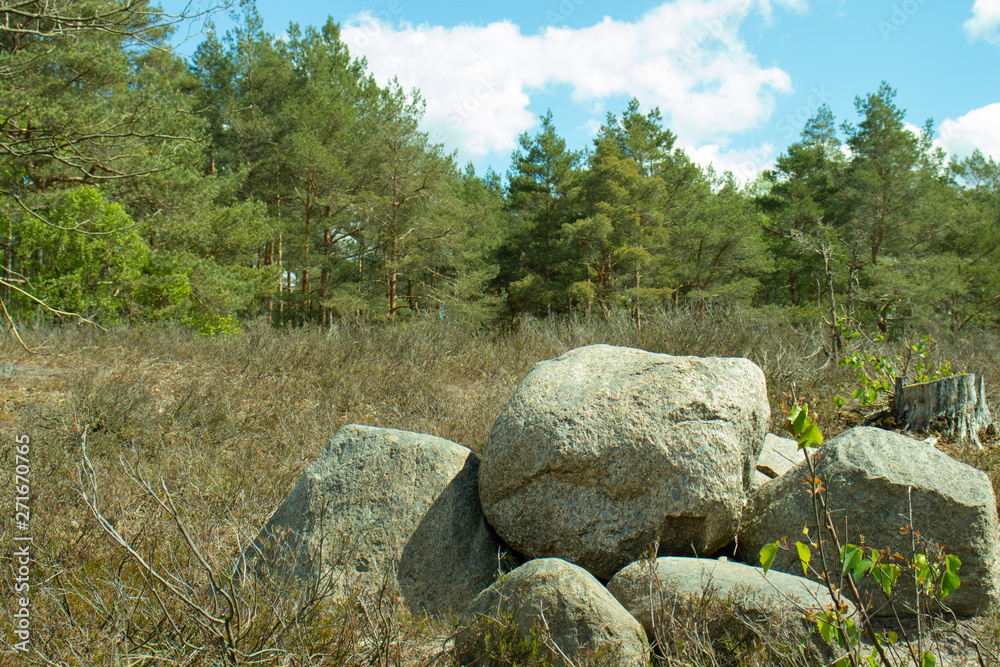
x: 767, y: 555
x: 811, y: 437
x: 928, y: 660
x: 862, y: 568
x: 797, y: 419
x: 853, y: 633
x: 949, y: 582
x: 825, y: 627
x: 850, y: 555
x: 923, y: 568
x: 952, y: 563
x: 886, y: 576
x: 891, y: 637
x: 804, y: 556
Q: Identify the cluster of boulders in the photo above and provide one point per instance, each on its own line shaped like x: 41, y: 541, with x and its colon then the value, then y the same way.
x: 618, y: 477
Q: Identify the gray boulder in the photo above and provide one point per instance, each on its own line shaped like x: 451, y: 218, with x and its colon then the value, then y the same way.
x: 606, y: 452
x: 867, y: 473
x: 555, y: 608
x: 778, y: 457
x: 384, y: 505
x: 741, y: 595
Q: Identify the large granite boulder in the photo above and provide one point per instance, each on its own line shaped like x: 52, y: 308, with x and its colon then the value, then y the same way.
x: 868, y: 474
x: 606, y: 452
x: 552, y: 608
x: 380, y: 504
x: 735, y: 599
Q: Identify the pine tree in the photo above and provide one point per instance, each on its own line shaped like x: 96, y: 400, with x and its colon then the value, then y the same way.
x: 624, y: 190
x: 717, y: 252
x: 889, y: 186
x: 974, y: 239
x: 325, y: 156
x: 82, y: 102
x: 542, y: 194
x: 412, y: 199
x: 883, y: 178
x: 805, y: 217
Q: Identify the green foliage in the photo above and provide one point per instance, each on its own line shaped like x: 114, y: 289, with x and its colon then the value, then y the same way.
x: 625, y: 190
x: 717, y: 252
x: 806, y: 433
x: 211, y: 325
x: 877, y: 372
x: 82, y: 254
x: 163, y: 290
x: 925, y: 372
x: 805, y: 211
x: 767, y: 555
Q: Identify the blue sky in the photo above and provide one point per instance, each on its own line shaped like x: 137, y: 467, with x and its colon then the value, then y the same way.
x: 734, y: 79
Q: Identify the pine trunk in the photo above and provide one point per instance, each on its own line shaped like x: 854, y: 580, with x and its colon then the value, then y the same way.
x: 955, y: 405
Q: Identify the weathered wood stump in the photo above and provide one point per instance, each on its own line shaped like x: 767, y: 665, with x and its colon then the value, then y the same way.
x: 954, y: 405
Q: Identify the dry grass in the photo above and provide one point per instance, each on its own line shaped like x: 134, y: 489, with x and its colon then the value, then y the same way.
x: 219, y: 430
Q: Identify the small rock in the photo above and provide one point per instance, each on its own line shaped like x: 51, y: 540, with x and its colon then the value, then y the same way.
x: 778, y: 456
x: 556, y: 609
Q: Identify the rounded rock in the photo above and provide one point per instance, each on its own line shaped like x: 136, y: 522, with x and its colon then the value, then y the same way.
x: 555, y: 608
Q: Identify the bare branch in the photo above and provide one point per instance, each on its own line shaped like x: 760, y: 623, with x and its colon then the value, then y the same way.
x: 13, y: 328
x: 87, y: 478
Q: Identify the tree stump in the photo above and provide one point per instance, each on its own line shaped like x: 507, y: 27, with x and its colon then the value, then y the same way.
x: 954, y: 405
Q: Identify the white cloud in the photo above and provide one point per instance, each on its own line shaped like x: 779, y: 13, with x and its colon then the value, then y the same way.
x: 766, y: 7
x: 744, y: 164
x: 985, y: 21
x: 592, y: 127
x: 684, y: 56
x: 980, y: 128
